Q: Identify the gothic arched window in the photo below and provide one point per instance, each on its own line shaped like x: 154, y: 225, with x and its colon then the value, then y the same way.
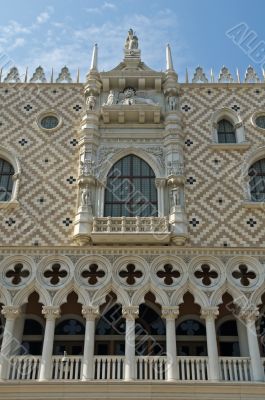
x: 226, y: 132
x: 6, y: 180
x: 131, y: 189
x: 257, y: 180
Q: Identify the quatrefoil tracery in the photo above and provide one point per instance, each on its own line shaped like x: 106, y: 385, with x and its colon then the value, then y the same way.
x: 130, y: 274
x: 168, y: 274
x: 206, y: 274
x: 17, y: 274
x: 244, y: 275
x: 55, y: 274
x: 93, y: 274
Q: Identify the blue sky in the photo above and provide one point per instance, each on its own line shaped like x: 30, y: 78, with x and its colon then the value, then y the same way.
x: 57, y: 33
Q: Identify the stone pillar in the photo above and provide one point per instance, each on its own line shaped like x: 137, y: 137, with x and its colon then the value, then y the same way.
x: 50, y: 313
x: 170, y: 314
x: 242, y: 338
x: 209, y: 314
x: 9, y: 342
x: 130, y: 313
x: 249, y: 316
x: 160, y: 184
x: 90, y: 314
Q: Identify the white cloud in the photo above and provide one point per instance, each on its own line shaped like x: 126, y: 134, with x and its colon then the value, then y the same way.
x: 43, y: 17
x: 63, y: 44
x: 19, y: 42
x: 101, y: 8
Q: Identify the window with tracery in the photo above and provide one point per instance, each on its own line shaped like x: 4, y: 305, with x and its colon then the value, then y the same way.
x: 130, y: 189
x: 226, y: 132
x: 6, y: 180
x: 257, y: 180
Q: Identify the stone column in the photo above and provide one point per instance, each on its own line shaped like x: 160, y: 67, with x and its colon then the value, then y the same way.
x: 50, y: 313
x: 242, y: 338
x: 209, y: 314
x: 90, y: 314
x: 9, y: 342
x: 130, y: 313
x: 249, y: 316
x: 160, y: 184
x: 170, y: 314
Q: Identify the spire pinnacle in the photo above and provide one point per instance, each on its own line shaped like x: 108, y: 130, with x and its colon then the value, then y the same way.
x: 94, y: 60
x: 169, y: 62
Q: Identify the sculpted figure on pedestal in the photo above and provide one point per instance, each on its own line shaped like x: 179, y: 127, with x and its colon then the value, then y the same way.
x: 131, y: 41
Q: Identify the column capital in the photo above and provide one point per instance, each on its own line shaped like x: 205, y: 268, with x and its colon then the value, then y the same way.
x: 160, y: 182
x: 130, y: 312
x: 170, y: 312
x: 11, y: 312
x: 90, y: 313
x: 248, y: 314
x: 209, y: 312
x: 51, y: 312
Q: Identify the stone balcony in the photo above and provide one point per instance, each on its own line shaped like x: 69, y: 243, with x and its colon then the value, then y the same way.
x: 131, y: 229
x: 147, y: 368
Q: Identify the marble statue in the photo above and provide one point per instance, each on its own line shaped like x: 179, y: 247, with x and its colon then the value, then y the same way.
x: 172, y: 103
x: 85, y: 197
x: 175, y: 197
x: 131, y: 41
x: 91, y: 102
x: 110, y: 99
x: 130, y: 98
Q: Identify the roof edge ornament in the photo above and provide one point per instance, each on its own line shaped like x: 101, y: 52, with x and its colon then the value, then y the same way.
x: 169, y: 61
x: 94, y: 59
x: 132, y: 53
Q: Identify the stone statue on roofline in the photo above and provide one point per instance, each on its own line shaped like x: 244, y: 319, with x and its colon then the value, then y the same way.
x: 131, y: 41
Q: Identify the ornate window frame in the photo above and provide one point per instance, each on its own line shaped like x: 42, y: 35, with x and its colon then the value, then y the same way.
x: 10, y: 157
x: 256, y: 155
x: 236, y: 121
x: 50, y: 112
x: 253, y: 118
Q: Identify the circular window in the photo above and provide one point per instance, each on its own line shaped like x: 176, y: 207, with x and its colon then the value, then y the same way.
x: 49, y: 122
x: 260, y: 121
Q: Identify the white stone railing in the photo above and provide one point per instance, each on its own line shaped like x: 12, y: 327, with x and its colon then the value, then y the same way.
x: 66, y: 368
x: 235, y: 368
x: 192, y: 368
x: 108, y: 367
x: 151, y: 368
x: 146, y: 368
x: 24, y: 367
x: 130, y: 225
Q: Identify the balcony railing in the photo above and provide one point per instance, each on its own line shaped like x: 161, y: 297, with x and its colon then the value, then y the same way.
x: 147, y: 368
x: 122, y: 229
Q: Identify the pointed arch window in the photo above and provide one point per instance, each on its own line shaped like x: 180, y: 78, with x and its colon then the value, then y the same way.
x: 6, y: 180
x: 130, y: 189
x: 226, y: 132
x: 257, y: 180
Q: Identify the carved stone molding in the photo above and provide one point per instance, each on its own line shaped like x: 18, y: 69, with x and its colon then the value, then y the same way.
x: 209, y: 312
x: 51, y: 312
x: 170, y: 312
x: 11, y: 312
x: 130, y: 312
x: 248, y: 314
x: 90, y: 313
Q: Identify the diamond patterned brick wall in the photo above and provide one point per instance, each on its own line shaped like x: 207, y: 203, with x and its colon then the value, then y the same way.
x: 217, y: 172
x: 47, y: 161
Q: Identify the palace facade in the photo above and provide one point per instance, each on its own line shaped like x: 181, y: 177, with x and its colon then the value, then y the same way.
x: 132, y: 246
